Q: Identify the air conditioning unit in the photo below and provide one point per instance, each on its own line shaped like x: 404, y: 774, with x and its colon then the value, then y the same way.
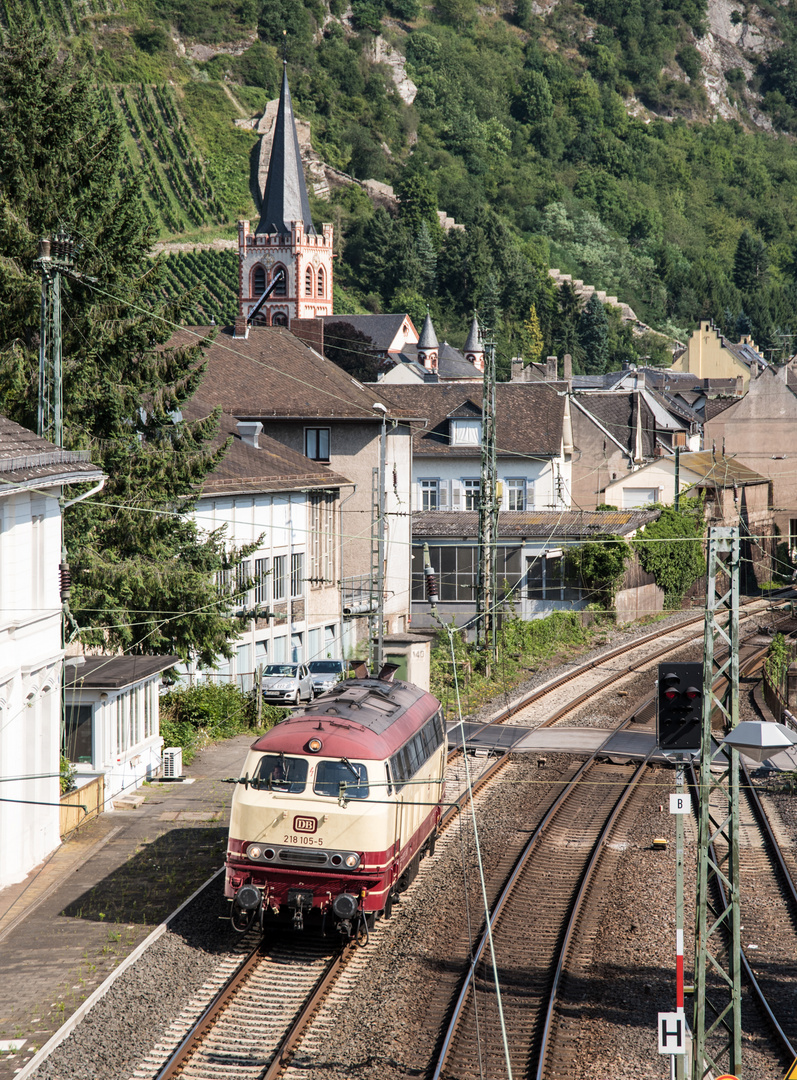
x: 172, y: 762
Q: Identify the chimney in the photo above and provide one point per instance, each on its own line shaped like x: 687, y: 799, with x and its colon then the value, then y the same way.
x: 740, y: 386
x: 517, y: 369
x: 567, y: 363
x: 249, y: 431
x: 241, y: 329
x: 310, y: 331
x: 550, y: 367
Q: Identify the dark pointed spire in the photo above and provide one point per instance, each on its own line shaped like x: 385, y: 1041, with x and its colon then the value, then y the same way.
x: 285, y: 199
x: 428, y: 338
x: 474, y: 342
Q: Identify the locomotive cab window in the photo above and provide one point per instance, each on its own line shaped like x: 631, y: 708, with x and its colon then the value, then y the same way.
x: 277, y: 772
x: 331, y: 774
x: 406, y: 762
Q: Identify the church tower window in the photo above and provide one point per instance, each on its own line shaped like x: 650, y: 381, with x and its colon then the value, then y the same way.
x: 308, y: 282
x: 279, y: 319
x: 321, y: 281
x: 258, y: 281
x: 282, y: 286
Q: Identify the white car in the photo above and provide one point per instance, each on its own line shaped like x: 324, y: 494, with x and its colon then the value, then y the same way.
x: 287, y: 684
x: 325, y: 673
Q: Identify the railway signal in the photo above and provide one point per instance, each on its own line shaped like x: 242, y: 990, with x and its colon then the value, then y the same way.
x: 680, y: 707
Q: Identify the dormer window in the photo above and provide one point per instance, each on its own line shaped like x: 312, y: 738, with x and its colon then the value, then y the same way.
x: 466, y: 432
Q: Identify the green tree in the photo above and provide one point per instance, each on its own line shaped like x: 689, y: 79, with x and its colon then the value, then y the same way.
x: 750, y: 263
x: 143, y: 576
x: 533, y: 342
x: 351, y: 350
x: 593, y: 336
x: 417, y: 201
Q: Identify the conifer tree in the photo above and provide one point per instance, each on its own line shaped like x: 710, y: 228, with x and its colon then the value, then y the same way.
x: 593, y: 337
x: 533, y: 343
x: 143, y: 575
x: 750, y: 263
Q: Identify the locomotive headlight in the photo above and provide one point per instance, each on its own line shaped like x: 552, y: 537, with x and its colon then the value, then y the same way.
x: 314, y: 746
x: 351, y: 861
x: 253, y: 851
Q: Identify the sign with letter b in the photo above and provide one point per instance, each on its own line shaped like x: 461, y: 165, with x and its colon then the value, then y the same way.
x: 672, y: 1033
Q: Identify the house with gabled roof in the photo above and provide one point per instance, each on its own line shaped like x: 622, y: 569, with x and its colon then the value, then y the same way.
x: 758, y: 430
x: 312, y: 407
x: 288, y: 589
x: 708, y: 354
x: 533, y: 445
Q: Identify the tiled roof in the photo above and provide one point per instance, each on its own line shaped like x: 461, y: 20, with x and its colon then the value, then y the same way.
x: 268, y: 467
x: 26, y: 459
x: 529, y: 417
x: 721, y: 471
x: 381, y: 329
x: 714, y: 406
x: 549, y: 524
x: 271, y: 374
x: 615, y: 410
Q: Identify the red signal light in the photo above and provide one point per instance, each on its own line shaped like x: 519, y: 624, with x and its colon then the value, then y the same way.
x: 690, y: 693
x: 671, y: 693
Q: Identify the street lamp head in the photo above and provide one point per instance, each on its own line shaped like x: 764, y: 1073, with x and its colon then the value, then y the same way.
x: 378, y: 405
x: 760, y: 739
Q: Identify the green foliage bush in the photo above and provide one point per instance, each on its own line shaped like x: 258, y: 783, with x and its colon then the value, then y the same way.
x: 193, y: 716
x: 67, y: 776
x: 671, y: 549
x: 599, y: 567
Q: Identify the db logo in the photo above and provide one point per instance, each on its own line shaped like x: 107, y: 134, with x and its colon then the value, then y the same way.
x: 304, y: 824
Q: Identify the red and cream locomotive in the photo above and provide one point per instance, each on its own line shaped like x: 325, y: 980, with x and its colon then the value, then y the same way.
x: 337, y: 805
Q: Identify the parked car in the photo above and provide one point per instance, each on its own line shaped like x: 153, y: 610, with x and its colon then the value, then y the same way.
x: 325, y: 673
x: 288, y: 683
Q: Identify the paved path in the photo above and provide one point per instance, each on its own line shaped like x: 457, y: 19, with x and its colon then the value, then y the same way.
x: 78, y: 914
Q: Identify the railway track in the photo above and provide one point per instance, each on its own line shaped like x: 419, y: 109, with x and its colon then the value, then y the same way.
x: 222, y: 1025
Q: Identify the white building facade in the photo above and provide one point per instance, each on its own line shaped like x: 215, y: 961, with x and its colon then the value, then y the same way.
x: 33, y: 474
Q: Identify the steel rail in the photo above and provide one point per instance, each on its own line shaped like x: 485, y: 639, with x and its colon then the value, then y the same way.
x: 506, y: 892
x: 597, y: 661
x: 588, y: 877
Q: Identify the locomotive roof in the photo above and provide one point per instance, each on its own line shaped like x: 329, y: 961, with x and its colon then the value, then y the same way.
x: 370, y: 718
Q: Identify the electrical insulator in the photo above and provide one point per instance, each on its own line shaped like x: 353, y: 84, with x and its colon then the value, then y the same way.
x: 431, y: 585
x: 66, y: 581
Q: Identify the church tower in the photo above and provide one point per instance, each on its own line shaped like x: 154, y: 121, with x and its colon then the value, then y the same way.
x: 285, y: 239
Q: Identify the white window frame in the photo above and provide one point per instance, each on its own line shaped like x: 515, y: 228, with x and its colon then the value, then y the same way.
x: 463, y: 430
x: 427, y: 488
x: 515, y: 485
x: 471, y: 492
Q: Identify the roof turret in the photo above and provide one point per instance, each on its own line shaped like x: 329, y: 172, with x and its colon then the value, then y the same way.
x: 428, y: 338
x: 285, y: 199
x: 474, y: 342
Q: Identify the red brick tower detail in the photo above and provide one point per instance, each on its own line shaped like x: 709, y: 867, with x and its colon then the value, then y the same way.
x: 285, y: 238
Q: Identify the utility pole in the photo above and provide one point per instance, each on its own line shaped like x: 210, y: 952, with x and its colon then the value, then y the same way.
x: 55, y: 258
x: 718, y: 1001
x: 677, y: 500
x: 377, y: 648
x: 488, y: 512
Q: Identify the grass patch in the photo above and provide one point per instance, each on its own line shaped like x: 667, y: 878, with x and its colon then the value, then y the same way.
x: 522, y: 647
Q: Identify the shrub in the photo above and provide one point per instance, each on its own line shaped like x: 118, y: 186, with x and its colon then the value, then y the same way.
x: 193, y: 716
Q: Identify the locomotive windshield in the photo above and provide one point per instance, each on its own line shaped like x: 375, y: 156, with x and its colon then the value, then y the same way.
x: 331, y: 774
x: 277, y: 772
